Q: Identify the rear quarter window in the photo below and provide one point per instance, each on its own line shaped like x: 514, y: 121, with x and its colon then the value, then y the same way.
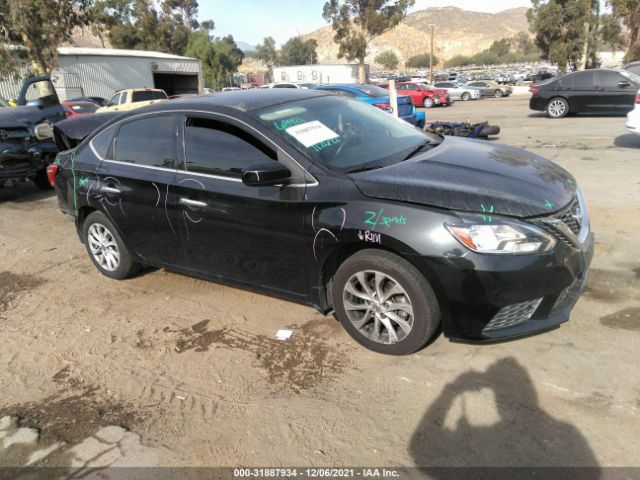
x: 103, y: 142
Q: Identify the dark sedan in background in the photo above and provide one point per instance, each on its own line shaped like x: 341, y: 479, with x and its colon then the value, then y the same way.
x: 326, y: 201
x: 590, y: 91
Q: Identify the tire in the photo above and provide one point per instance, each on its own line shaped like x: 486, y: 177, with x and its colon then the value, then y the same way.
x: 112, y: 258
x: 557, y: 107
x: 499, y: 93
x: 421, y: 316
x: 489, y: 130
x: 428, y: 102
x: 41, y: 180
x: 466, y: 96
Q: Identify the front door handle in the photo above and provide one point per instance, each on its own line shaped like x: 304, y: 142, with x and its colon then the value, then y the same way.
x: 192, y: 203
x: 110, y: 190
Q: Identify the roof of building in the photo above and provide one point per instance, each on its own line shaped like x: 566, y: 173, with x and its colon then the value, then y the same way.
x: 116, y: 52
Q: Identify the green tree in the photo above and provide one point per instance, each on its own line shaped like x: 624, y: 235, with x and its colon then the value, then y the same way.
x: 611, y: 34
x: 559, y: 26
x: 298, y: 52
x: 220, y: 57
x: 267, y: 53
x: 593, y: 47
x: 628, y: 11
x: 40, y: 26
x: 146, y: 24
x: 458, y: 61
x: 388, y: 59
x: 356, y: 22
x: 420, y: 61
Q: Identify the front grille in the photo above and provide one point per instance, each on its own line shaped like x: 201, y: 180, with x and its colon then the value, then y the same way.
x: 512, y: 315
x: 569, y: 218
x: 567, y: 225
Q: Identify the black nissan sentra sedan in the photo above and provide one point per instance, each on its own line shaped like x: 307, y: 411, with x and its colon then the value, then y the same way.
x: 332, y: 203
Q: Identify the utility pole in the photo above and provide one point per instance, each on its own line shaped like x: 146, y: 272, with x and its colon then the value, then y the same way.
x: 431, y: 56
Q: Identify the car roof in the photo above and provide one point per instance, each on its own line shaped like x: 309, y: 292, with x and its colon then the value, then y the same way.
x: 241, y: 100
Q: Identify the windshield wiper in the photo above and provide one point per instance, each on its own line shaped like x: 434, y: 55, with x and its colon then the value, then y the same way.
x: 416, y: 150
x: 363, y: 169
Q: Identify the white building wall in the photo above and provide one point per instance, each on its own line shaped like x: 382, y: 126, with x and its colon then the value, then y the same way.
x: 323, y: 73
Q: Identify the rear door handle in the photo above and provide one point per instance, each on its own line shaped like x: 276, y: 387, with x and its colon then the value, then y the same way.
x: 192, y: 203
x: 110, y: 190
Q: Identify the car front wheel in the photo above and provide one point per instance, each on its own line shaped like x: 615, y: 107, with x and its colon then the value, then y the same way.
x: 466, y: 96
x: 106, y: 248
x: 557, y: 108
x: 428, y: 102
x: 499, y: 93
x: 385, y: 303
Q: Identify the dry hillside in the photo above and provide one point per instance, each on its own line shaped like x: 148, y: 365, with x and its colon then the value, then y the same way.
x: 457, y: 32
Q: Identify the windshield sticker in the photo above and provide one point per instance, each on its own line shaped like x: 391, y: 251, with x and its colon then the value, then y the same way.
x: 376, y: 218
x: 311, y: 133
x: 287, y: 122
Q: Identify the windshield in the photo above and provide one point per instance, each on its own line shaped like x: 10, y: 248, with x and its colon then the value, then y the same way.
x: 373, y: 90
x: 343, y: 134
x: 631, y: 76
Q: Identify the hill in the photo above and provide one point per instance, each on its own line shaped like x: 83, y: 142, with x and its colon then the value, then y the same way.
x: 457, y: 31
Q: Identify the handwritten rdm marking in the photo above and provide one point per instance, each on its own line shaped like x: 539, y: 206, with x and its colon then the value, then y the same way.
x: 287, y: 122
x: 370, y: 237
x: 376, y: 218
x: 486, y: 214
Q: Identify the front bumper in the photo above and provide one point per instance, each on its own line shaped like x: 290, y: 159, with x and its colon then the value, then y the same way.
x: 496, y: 297
x: 16, y: 165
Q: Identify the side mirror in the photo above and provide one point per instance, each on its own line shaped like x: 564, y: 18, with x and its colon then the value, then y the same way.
x: 624, y: 84
x: 36, y: 103
x: 268, y: 172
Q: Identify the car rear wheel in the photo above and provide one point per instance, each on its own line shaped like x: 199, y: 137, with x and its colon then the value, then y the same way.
x: 557, y: 108
x: 106, y: 248
x: 428, y: 102
x: 499, y: 93
x: 385, y: 303
x: 466, y: 96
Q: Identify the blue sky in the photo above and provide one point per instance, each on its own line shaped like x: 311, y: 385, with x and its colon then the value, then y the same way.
x: 252, y: 20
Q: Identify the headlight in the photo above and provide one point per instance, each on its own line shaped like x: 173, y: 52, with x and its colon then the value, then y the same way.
x: 502, y: 237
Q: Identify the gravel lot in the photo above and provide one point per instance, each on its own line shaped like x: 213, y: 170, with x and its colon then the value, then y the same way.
x: 191, y: 369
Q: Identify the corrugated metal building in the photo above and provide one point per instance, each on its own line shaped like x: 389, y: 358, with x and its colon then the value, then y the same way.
x: 102, y: 71
x: 321, y: 73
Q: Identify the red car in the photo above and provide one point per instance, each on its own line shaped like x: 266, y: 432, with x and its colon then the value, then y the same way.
x: 423, y: 95
x: 75, y: 109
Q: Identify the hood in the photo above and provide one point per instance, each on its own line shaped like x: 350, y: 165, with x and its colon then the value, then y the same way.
x: 20, y: 116
x: 467, y: 175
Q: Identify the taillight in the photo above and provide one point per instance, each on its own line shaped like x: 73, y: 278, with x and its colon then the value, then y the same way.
x: 638, y: 99
x: 535, y: 90
x: 52, y: 171
x: 384, y: 106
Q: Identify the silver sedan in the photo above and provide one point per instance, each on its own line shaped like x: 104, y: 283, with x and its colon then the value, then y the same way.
x: 458, y: 91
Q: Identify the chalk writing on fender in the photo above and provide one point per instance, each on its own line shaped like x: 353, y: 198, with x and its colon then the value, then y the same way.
x: 370, y: 237
x: 377, y: 218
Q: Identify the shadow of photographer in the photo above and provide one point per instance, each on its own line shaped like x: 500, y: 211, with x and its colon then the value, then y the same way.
x: 489, y: 425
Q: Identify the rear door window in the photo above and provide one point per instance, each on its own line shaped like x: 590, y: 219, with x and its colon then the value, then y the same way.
x: 147, y: 95
x: 584, y: 80
x: 219, y: 148
x: 148, y: 141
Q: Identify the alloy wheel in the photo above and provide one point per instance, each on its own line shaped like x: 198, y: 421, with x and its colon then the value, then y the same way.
x: 557, y: 108
x: 378, y: 307
x: 103, y: 247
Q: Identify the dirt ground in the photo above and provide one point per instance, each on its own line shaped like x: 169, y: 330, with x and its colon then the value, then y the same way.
x: 192, y: 368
